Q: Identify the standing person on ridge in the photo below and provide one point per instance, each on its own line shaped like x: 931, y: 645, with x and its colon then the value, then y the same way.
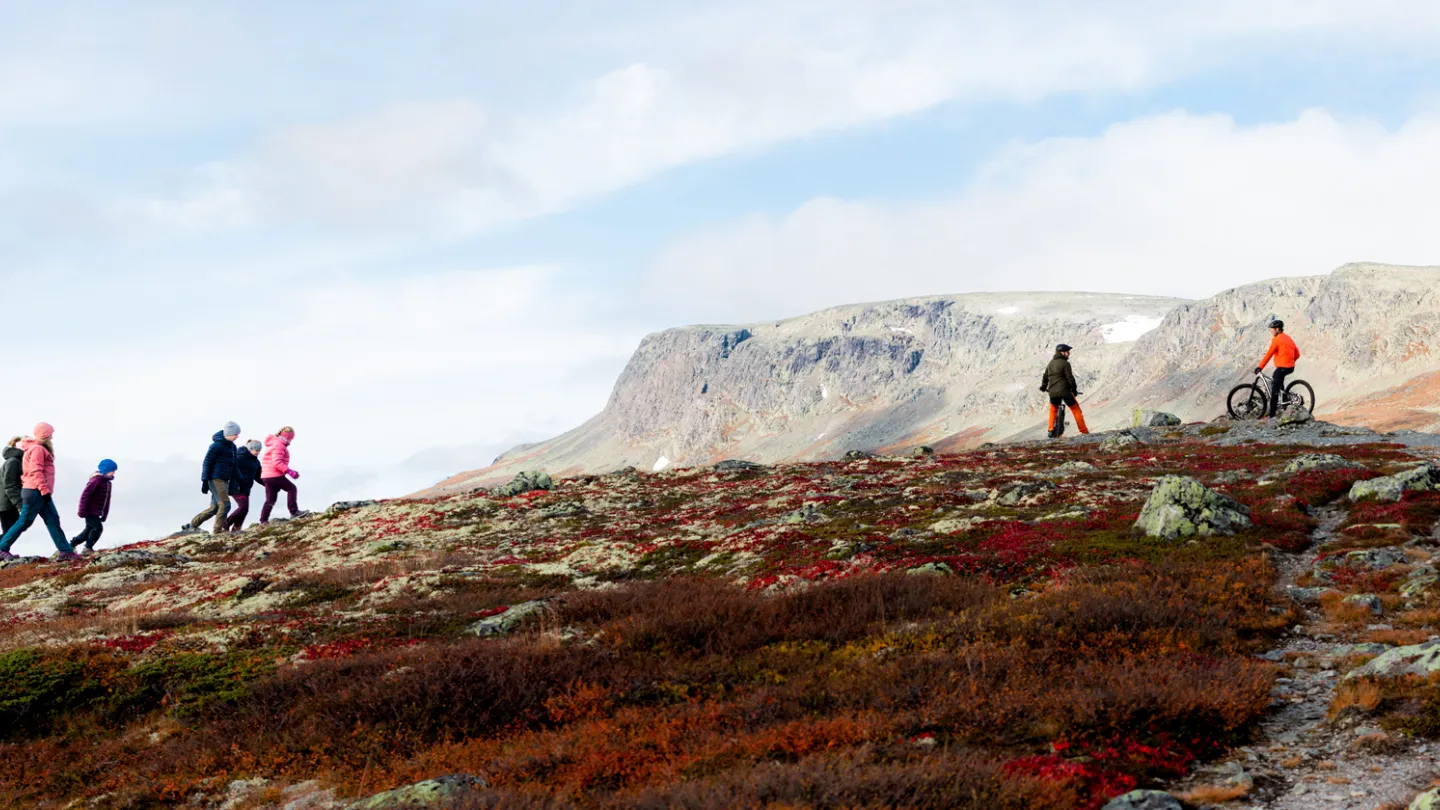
x: 247, y: 473
x: 215, y: 474
x: 10, y: 485
x: 1059, y: 382
x: 274, y: 469
x: 1285, y: 352
x: 37, y: 494
x: 95, y: 505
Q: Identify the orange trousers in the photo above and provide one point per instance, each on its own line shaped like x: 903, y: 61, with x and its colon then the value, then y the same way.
x: 1074, y: 408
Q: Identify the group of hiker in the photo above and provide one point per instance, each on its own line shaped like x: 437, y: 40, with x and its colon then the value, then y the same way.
x: 230, y: 471
x: 1058, y: 381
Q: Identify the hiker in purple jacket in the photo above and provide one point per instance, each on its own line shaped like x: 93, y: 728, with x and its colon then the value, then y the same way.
x: 95, y: 505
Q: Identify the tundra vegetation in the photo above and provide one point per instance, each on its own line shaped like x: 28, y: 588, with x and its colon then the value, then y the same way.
x: 984, y: 629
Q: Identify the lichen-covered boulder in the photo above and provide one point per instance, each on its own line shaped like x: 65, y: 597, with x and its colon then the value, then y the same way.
x: 527, y: 481
x: 1181, y: 507
x: 1374, y: 559
x: 1419, y: 583
x: 511, y: 618
x: 1021, y: 493
x: 432, y: 793
x: 923, y: 451
x: 1421, y: 660
x: 1320, y: 461
x: 738, y: 465
x: 1119, y: 442
x: 1369, y: 601
x: 932, y: 569
x: 346, y: 506
x: 1423, y: 478
x: 1144, y: 800
x: 1296, y: 415
x: 1144, y: 418
x: 807, y: 513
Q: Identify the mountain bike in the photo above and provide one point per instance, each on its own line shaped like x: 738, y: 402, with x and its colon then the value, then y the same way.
x: 1252, y: 400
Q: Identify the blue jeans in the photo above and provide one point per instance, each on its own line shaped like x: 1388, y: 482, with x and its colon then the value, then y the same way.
x: 33, y: 505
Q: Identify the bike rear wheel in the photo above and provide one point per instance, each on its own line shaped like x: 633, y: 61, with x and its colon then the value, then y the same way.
x: 1301, y: 391
x: 1247, y: 402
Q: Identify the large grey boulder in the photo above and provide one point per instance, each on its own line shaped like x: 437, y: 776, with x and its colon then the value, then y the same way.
x: 527, y: 481
x: 1144, y: 800
x: 1421, y: 660
x: 432, y: 793
x: 1181, y: 507
x: 1423, y: 478
x: 1070, y: 468
x: 1144, y: 418
x: 502, y: 623
x: 1321, y: 461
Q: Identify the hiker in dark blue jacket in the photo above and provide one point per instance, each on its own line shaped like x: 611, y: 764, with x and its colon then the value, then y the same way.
x: 215, y: 475
x: 247, y: 475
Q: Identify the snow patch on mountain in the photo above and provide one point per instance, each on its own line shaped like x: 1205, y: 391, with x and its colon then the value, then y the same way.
x: 1129, y: 329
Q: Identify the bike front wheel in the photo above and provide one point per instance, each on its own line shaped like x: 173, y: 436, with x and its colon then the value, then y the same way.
x: 1300, y: 393
x: 1247, y: 402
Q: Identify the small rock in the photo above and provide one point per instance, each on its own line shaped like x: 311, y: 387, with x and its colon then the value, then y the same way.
x: 932, y: 569
x: 1320, y: 461
x: 808, y: 513
x: 1144, y: 800
x: 1070, y: 468
x: 858, y: 455
x: 738, y: 465
x: 1119, y: 442
x: 502, y: 623
x: 345, y: 506
x: 1181, y: 507
x: 922, y: 451
x: 527, y: 481
x: 432, y: 793
x: 1022, y: 493
x: 1423, y: 478
x: 1296, y: 415
x: 1234, y: 477
x: 1306, y: 596
x: 1144, y: 418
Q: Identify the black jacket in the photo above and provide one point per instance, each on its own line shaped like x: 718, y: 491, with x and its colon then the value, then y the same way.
x: 10, y: 478
x: 1059, y: 380
x: 247, y: 472
x: 219, y: 460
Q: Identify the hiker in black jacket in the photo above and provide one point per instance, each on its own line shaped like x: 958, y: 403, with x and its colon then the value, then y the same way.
x: 1059, y: 382
x: 10, y: 485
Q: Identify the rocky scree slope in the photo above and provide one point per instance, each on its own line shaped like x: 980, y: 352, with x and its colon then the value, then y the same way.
x: 960, y: 370
x: 981, y: 629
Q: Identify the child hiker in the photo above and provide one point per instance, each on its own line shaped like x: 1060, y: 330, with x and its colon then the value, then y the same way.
x: 37, y: 482
x: 247, y: 473
x: 274, y: 469
x: 10, y: 485
x: 95, y: 505
x: 215, y: 474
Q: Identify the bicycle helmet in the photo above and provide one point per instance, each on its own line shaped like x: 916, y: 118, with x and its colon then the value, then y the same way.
x: 1062, y: 348
x: 1277, y: 324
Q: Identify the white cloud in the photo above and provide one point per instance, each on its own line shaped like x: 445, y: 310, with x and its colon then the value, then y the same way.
x: 1175, y: 204
x: 705, y: 81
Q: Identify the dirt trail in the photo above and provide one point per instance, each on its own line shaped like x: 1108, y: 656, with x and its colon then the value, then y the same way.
x: 1300, y: 760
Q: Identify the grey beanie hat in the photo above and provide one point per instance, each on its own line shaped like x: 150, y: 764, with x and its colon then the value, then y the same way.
x: 231, y: 429
x: 254, y: 446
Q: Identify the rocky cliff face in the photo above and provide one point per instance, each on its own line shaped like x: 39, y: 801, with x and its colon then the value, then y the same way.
x: 954, y: 371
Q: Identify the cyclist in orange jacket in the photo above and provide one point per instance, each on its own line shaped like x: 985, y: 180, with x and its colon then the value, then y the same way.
x: 1285, y: 353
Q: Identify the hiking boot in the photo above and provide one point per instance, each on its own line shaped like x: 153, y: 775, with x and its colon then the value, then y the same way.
x: 5, y: 555
x: 302, y: 513
x: 67, y: 556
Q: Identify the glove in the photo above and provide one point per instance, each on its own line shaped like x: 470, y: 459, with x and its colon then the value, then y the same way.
x: 293, y: 475
x: 1259, y: 370
x: 204, y: 487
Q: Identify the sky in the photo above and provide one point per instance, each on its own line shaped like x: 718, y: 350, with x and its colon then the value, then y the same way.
x: 422, y: 233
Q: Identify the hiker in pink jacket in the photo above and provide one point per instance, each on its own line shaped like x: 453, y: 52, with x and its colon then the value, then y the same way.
x: 37, y: 494
x: 276, y: 475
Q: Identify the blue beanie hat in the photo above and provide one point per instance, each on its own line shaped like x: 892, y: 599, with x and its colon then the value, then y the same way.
x: 107, y: 466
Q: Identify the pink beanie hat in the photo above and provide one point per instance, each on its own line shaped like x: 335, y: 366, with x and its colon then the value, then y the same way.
x: 43, y: 431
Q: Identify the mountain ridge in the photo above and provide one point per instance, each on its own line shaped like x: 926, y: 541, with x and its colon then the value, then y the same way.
x: 957, y: 370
